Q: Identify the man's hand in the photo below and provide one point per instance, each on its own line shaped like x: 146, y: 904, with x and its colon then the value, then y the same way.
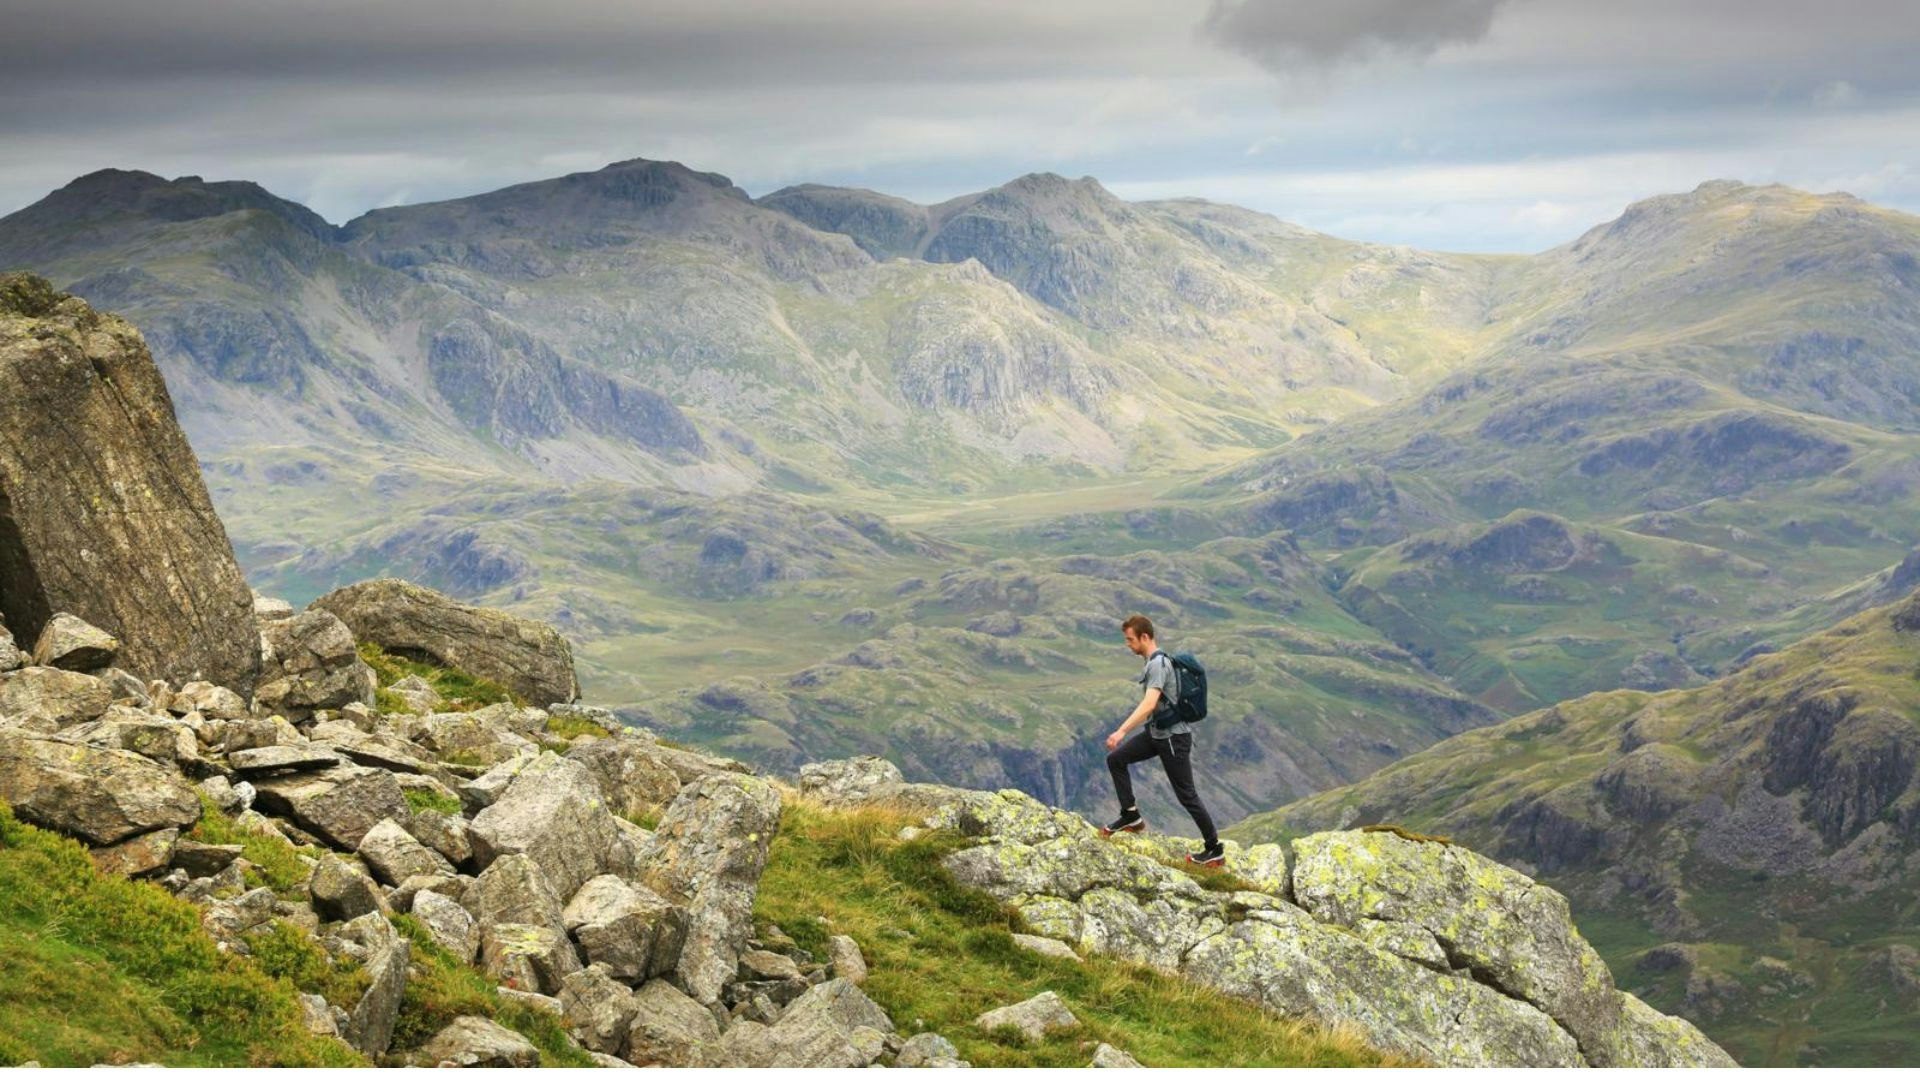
x: 1113, y: 740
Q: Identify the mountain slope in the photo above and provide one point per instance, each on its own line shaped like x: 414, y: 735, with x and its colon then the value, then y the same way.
x: 1754, y: 842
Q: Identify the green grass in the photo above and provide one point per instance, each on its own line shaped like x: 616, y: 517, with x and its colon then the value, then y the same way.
x: 279, y: 862
x: 425, y: 799
x: 939, y: 954
x: 99, y: 969
x: 572, y: 727
x: 462, y: 692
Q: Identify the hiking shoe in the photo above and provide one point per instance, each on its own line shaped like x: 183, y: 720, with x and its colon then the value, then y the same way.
x: 1128, y: 821
x: 1213, y: 856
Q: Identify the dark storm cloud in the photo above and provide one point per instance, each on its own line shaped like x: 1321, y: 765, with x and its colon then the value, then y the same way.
x: 1468, y: 124
x: 1284, y: 34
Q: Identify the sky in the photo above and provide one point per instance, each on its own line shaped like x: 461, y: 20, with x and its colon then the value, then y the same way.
x: 1462, y: 125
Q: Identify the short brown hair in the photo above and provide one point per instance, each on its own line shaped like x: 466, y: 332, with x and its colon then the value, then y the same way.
x: 1140, y: 625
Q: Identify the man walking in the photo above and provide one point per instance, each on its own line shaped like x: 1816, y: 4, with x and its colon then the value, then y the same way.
x: 1166, y: 737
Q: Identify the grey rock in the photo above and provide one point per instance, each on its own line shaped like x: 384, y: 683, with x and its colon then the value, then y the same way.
x: 1107, y: 1057
x: 474, y: 1042
x: 446, y: 834
x: 929, y: 1051
x: 635, y: 774
x: 10, y: 655
x: 527, y: 957
x: 70, y: 642
x: 369, y: 1027
x: 669, y: 1028
x: 211, y: 701
x: 106, y: 514
x: 514, y: 890
x: 526, y: 656
x: 277, y: 758
x: 100, y: 795
x: 554, y: 812
x: 636, y: 933
x: 316, y: 1016
x: 230, y: 797
x: 338, y: 805
x: 477, y: 737
x: 418, y: 693
x: 394, y: 855
x: 599, y: 1009
x: 545, y: 1003
x: 833, y: 1025
x: 844, y: 954
x: 760, y: 964
x: 159, y: 739
x: 709, y: 850
x: 126, y: 688
x: 315, y: 664
x: 137, y: 856
x: 403, y: 895
x: 270, y: 609
x: 341, y: 892
x: 44, y: 699
x: 1034, y: 1017
x: 1046, y: 947
x: 229, y: 922
x: 204, y: 860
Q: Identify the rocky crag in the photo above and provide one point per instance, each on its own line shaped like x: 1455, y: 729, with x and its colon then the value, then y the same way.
x: 516, y: 848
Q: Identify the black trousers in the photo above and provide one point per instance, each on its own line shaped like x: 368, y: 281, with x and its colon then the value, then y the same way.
x: 1176, y: 753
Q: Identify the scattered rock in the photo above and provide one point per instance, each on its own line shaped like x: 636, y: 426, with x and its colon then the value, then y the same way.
x: 526, y: 656
x: 474, y: 1042
x: 369, y: 1028
x: 279, y: 758
x: 10, y: 655
x: 1046, y: 947
x: 1106, y: 1057
x: 599, y: 1009
x: 394, y: 855
x: 709, y: 851
x: 341, y: 892
x: 204, y: 860
x: 100, y: 795
x: 844, y: 954
x: 315, y: 664
x: 552, y: 811
x: 636, y: 933
x: 669, y: 1028
x: 269, y: 609
x: 72, y: 643
x: 418, y: 693
x: 929, y: 1051
x: 139, y: 855
x: 210, y: 701
x: 338, y: 805
x: 527, y: 957
x: 1034, y: 1017
x: 452, y: 928
x: 44, y: 699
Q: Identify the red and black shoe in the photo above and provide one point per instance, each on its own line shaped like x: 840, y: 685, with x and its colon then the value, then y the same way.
x: 1128, y: 821
x: 1213, y: 856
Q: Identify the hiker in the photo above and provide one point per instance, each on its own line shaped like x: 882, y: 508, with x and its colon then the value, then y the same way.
x: 1166, y: 736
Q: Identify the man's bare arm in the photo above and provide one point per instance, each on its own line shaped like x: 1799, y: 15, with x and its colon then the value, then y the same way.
x: 1140, y: 713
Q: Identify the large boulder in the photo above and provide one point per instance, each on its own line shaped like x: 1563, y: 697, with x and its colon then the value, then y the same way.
x: 1034, y: 1018
x: 668, y: 1028
x: 526, y: 656
x: 833, y: 1025
x: 394, y: 855
x: 311, y: 662
x: 103, y: 512
x: 708, y: 852
x: 553, y: 811
x: 72, y: 643
x: 98, y: 794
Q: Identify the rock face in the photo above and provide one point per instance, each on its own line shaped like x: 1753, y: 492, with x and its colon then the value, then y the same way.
x: 102, y: 510
x: 528, y: 657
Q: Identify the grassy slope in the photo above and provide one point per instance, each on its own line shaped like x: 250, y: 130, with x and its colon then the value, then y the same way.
x: 101, y: 969
x: 1765, y: 902
x: 941, y: 954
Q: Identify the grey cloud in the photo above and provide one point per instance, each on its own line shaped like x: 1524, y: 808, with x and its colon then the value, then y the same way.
x: 1287, y: 34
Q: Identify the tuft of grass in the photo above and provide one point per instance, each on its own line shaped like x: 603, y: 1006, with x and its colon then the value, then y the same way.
x: 279, y: 861
x: 647, y: 818
x: 941, y: 953
x: 100, y: 969
x: 441, y: 989
x: 1406, y: 834
x: 462, y: 692
x: 572, y: 727
x: 427, y: 799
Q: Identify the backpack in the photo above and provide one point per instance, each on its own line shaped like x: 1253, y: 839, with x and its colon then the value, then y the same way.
x: 1192, y: 675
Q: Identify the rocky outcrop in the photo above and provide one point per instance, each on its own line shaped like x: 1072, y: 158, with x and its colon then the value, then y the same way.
x: 100, y: 795
x: 528, y: 657
x: 708, y: 852
x: 103, y: 513
x: 1428, y: 950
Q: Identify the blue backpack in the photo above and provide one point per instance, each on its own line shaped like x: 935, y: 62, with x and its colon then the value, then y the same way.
x: 1192, y: 676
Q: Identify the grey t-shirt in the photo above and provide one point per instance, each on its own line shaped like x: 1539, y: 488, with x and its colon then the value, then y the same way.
x: 1160, y: 675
